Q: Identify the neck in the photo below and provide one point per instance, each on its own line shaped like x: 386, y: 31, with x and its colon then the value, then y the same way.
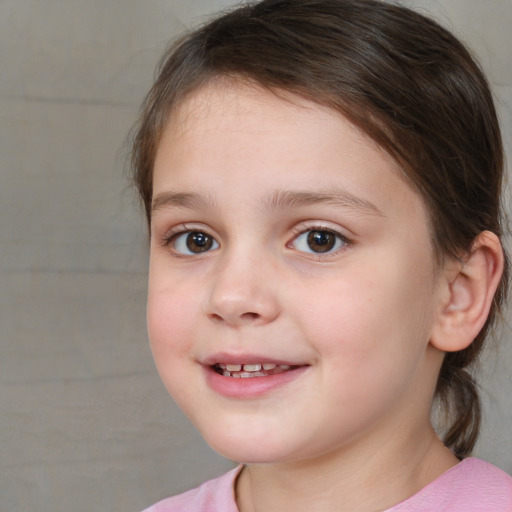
x: 363, y: 480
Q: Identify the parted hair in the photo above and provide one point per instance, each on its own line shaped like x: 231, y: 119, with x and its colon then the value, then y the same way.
x: 403, y: 80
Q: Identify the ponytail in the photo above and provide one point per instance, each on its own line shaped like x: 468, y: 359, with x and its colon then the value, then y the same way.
x: 457, y: 391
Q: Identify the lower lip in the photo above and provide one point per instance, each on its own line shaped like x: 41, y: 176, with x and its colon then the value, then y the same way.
x: 251, y: 387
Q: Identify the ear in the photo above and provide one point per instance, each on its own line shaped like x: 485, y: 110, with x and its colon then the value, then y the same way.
x: 467, y: 291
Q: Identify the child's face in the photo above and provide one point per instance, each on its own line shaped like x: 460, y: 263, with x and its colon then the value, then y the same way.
x: 282, y: 235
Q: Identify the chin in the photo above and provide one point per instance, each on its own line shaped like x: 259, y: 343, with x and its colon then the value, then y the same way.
x: 246, y: 448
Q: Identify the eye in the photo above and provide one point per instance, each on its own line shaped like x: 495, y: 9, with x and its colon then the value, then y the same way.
x: 193, y: 242
x: 319, y: 241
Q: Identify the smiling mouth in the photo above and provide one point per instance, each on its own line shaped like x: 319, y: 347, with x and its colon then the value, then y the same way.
x: 248, y: 371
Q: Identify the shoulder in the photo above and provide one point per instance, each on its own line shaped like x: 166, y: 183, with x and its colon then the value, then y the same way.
x: 471, y: 486
x: 213, y: 495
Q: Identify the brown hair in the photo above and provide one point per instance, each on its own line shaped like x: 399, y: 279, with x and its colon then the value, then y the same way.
x: 402, y: 79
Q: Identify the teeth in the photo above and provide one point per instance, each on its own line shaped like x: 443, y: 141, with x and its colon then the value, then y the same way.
x: 245, y: 371
x: 252, y: 367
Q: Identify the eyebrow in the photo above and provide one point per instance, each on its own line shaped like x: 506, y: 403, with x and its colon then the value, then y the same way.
x: 278, y: 200
x: 283, y: 199
x: 187, y: 200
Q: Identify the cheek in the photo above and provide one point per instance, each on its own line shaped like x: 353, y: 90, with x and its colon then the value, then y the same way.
x: 170, y: 314
x: 170, y: 323
x: 369, y: 315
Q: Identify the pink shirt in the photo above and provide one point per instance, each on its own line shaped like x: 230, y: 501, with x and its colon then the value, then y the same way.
x: 471, y: 486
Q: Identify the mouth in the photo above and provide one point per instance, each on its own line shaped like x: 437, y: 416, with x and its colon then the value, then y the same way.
x: 249, y: 371
x: 249, y: 376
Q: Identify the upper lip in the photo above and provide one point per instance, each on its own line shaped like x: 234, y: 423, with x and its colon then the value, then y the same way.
x: 246, y: 358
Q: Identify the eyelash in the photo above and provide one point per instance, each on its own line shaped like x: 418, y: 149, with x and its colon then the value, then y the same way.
x: 340, y: 241
x: 183, y: 230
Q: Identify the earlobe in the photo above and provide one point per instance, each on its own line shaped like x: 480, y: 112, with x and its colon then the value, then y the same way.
x: 468, y: 290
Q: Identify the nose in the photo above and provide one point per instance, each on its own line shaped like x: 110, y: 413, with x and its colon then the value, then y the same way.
x: 243, y: 292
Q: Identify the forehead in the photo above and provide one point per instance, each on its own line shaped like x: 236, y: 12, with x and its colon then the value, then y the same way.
x: 240, y: 133
x: 221, y: 99
x: 225, y: 113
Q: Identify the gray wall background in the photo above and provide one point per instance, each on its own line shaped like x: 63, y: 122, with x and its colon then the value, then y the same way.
x: 84, y: 422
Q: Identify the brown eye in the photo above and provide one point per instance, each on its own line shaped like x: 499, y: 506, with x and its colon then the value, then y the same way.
x: 193, y: 242
x: 319, y: 241
x: 199, y: 242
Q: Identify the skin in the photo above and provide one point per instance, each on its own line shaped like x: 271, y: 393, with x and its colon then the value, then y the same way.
x: 352, y: 431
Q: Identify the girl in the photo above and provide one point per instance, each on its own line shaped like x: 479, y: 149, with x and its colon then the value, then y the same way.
x: 322, y: 183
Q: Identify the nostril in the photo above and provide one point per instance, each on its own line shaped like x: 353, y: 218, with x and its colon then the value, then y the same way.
x: 215, y: 317
x: 235, y: 318
x: 250, y: 316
